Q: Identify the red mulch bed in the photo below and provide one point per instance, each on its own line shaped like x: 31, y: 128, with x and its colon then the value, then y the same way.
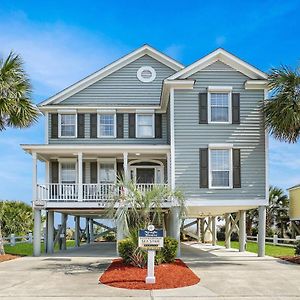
x: 6, y: 257
x: 168, y: 276
x: 292, y: 259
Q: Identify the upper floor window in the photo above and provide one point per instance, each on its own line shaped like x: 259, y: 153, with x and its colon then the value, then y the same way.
x: 67, y: 126
x: 219, y: 104
x: 220, y: 168
x: 107, y: 125
x: 68, y: 172
x: 145, y: 125
x: 107, y: 173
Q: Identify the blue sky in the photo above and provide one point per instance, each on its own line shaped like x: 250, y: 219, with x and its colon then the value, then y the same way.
x: 63, y: 41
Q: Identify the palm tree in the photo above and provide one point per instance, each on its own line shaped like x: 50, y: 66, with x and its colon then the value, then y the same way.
x: 2, y: 252
x: 16, y: 107
x: 282, y: 111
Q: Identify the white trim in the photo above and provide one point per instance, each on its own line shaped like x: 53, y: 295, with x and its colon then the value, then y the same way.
x: 146, y: 68
x: 145, y: 111
x: 256, y: 84
x: 267, y: 155
x: 109, y: 69
x: 224, y: 202
x: 106, y: 111
x: 99, y: 129
x: 67, y: 160
x: 172, y: 139
x: 67, y: 111
x: 218, y: 147
x: 59, y: 125
x: 213, y: 91
x: 219, y: 88
x: 136, y: 125
x: 224, y: 56
x: 108, y: 161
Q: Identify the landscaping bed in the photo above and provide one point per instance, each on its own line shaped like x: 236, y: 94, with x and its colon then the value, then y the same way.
x: 7, y: 257
x: 169, y: 275
x: 292, y: 259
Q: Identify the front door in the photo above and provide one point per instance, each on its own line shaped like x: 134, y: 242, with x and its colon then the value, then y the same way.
x: 145, y: 175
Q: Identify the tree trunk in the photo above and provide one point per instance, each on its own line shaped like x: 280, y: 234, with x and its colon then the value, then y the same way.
x: 2, y: 252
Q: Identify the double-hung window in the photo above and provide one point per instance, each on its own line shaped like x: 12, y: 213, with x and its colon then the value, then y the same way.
x: 220, y: 163
x: 145, y: 125
x: 68, y: 172
x: 107, y: 125
x: 67, y: 125
x: 219, y: 104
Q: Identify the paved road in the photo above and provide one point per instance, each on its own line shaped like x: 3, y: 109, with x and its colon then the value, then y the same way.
x: 74, y: 274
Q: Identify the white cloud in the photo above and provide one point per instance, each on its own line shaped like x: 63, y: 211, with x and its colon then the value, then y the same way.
x: 55, y: 55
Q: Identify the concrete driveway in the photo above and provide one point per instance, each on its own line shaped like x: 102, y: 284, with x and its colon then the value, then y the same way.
x: 225, y: 274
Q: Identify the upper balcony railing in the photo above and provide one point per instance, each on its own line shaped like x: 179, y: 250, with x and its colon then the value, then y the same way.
x: 94, y: 192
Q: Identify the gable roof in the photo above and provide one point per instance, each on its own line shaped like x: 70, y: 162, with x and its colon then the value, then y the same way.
x: 224, y: 56
x: 109, y: 69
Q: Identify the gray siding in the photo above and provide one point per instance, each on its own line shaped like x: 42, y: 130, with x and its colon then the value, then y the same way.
x: 87, y: 140
x: 218, y: 66
x: 123, y: 87
x: 248, y: 136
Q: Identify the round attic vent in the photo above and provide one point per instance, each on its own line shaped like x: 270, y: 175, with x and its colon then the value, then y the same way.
x: 146, y: 74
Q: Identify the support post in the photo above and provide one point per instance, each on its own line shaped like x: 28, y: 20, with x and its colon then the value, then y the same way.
x: 199, y: 229
x: 214, y: 231
x: 169, y: 168
x: 242, y: 231
x: 50, y: 232
x: 37, y: 233
x: 77, y: 231
x: 227, y: 231
x: 261, y: 230
x: 125, y: 166
x: 87, y: 227
x: 64, y: 218
x: 202, y: 230
x: 80, y: 181
x: 150, y: 267
x: 30, y: 238
x: 12, y: 239
x: 34, y: 177
x: 175, y: 225
x: 92, y: 237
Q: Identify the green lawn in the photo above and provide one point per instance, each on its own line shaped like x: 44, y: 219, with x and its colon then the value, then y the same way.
x: 271, y: 250
x: 26, y: 249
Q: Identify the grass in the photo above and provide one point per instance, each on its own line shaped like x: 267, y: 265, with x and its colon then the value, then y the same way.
x: 26, y: 249
x: 271, y: 250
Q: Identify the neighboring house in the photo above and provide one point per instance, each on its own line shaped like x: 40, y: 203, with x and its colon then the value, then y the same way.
x: 197, y: 128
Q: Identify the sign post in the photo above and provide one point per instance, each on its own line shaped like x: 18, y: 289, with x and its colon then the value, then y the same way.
x: 151, y: 239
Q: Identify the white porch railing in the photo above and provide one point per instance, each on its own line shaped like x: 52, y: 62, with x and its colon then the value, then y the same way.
x: 57, y: 192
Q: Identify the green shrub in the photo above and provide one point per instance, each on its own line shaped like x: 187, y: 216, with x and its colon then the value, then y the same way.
x: 297, y: 248
x: 126, y: 249
x: 170, y: 249
x: 109, y: 237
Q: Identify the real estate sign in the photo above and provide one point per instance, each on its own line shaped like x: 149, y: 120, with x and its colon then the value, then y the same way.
x: 151, y: 239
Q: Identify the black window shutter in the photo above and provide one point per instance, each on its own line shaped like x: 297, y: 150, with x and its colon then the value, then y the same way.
x: 235, y: 108
x: 83, y: 173
x: 93, y: 126
x: 158, y: 126
x: 203, y: 167
x: 80, y: 125
x: 120, y: 126
x: 54, y: 172
x: 120, y: 170
x: 54, y: 126
x: 131, y: 125
x: 94, y: 178
x: 203, y: 108
x: 236, y: 161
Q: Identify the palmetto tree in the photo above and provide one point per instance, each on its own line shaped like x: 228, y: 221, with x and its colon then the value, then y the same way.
x: 16, y: 107
x: 282, y: 111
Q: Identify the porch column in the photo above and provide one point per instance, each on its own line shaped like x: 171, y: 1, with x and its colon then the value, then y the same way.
x: 227, y: 230
x: 242, y: 231
x: 37, y: 233
x: 214, y: 231
x: 175, y: 222
x: 169, y: 168
x: 50, y: 232
x: 80, y: 181
x: 34, y: 177
x: 261, y: 230
x: 87, y: 227
x: 64, y: 218
x: 92, y: 238
x: 120, y: 232
x: 77, y: 231
x: 125, y: 166
x: 202, y: 230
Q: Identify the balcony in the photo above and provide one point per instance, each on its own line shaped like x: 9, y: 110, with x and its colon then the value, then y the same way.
x: 101, y: 192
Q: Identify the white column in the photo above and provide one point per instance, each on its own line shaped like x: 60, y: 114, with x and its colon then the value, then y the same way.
x: 172, y: 138
x: 47, y: 170
x: 175, y: 223
x: 80, y: 181
x: 125, y: 166
x: 34, y: 177
x: 214, y: 231
x: 227, y: 230
x: 261, y: 230
x: 77, y: 231
x: 92, y: 238
x: 169, y: 168
x: 37, y: 233
x: 50, y: 232
x: 64, y: 219
x: 242, y: 231
x: 87, y: 227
